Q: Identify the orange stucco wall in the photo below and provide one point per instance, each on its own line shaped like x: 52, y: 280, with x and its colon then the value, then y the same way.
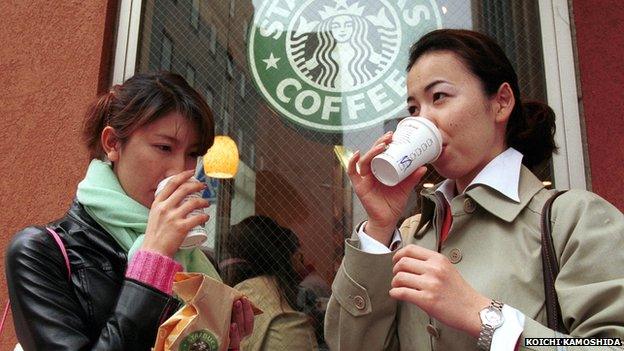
x: 600, y: 46
x: 54, y: 58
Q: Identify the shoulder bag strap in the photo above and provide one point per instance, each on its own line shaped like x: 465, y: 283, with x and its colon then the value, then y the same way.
x: 550, y: 266
x: 4, y: 315
x: 59, y: 243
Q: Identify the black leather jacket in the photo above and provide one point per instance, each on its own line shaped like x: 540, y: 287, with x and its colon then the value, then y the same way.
x: 99, y: 309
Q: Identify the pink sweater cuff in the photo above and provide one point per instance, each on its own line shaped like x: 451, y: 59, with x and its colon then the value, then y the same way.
x: 153, y: 269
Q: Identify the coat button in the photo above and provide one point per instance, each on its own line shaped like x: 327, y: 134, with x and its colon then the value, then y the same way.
x: 455, y: 255
x: 469, y: 205
x: 433, y: 331
x: 360, y: 304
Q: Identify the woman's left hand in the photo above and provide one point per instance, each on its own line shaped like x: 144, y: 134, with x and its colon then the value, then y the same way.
x: 242, y: 322
x: 428, y: 279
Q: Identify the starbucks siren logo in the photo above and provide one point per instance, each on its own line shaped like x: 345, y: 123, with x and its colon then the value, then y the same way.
x: 200, y: 340
x: 335, y: 52
x: 335, y: 65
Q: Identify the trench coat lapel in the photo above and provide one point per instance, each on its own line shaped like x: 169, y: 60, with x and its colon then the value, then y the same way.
x: 501, y: 206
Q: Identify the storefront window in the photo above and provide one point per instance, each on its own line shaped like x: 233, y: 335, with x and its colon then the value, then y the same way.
x: 300, y: 85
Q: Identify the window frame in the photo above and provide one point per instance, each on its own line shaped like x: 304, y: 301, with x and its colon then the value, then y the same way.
x: 569, y: 170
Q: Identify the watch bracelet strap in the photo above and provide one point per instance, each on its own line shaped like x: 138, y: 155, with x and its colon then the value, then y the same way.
x: 485, y: 337
x: 487, y: 332
x: 496, y: 304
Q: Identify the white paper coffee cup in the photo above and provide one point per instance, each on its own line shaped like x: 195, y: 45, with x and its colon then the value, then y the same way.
x: 197, y: 235
x: 416, y: 141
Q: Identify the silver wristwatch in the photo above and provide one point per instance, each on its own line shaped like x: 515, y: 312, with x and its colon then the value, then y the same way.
x: 491, y: 319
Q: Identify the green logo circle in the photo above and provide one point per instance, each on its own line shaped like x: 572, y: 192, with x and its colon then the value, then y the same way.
x: 336, y: 65
x: 200, y: 340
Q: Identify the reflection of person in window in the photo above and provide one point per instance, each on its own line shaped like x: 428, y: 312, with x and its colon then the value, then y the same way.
x: 474, y: 250
x: 344, y: 56
x: 264, y: 263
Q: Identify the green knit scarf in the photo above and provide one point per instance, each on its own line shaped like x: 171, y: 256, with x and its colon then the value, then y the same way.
x: 124, y: 218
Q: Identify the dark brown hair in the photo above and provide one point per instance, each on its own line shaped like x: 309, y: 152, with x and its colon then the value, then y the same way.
x: 141, y: 100
x: 266, y: 248
x: 531, y: 126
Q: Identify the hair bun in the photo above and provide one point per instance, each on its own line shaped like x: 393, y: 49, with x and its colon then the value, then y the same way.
x: 536, y: 139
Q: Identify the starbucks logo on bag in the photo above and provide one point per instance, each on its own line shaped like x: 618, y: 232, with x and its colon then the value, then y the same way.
x: 200, y: 340
x: 334, y: 65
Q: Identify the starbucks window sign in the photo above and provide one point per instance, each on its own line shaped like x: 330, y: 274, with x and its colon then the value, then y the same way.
x: 300, y: 86
x: 335, y: 65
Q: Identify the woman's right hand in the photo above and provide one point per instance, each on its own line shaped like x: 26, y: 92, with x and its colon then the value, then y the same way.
x: 383, y: 204
x: 167, y: 225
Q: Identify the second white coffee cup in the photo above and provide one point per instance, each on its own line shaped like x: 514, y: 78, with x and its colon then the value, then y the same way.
x: 197, y: 235
x: 416, y: 141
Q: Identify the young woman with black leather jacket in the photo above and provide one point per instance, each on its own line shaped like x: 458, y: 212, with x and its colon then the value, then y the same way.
x: 151, y: 127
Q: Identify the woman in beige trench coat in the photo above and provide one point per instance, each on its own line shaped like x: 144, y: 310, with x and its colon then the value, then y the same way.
x: 481, y: 285
x: 264, y: 265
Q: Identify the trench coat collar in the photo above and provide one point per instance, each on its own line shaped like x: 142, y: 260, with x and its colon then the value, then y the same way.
x: 491, y: 200
x: 503, y: 207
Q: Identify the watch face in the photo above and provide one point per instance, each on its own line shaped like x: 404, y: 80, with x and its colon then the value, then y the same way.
x: 492, y: 317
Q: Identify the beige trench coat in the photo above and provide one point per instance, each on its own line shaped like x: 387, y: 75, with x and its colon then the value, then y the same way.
x: 279, y: 327
x: 495, y: 245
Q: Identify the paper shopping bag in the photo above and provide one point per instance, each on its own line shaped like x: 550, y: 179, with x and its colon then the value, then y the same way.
x: 203, y: 323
